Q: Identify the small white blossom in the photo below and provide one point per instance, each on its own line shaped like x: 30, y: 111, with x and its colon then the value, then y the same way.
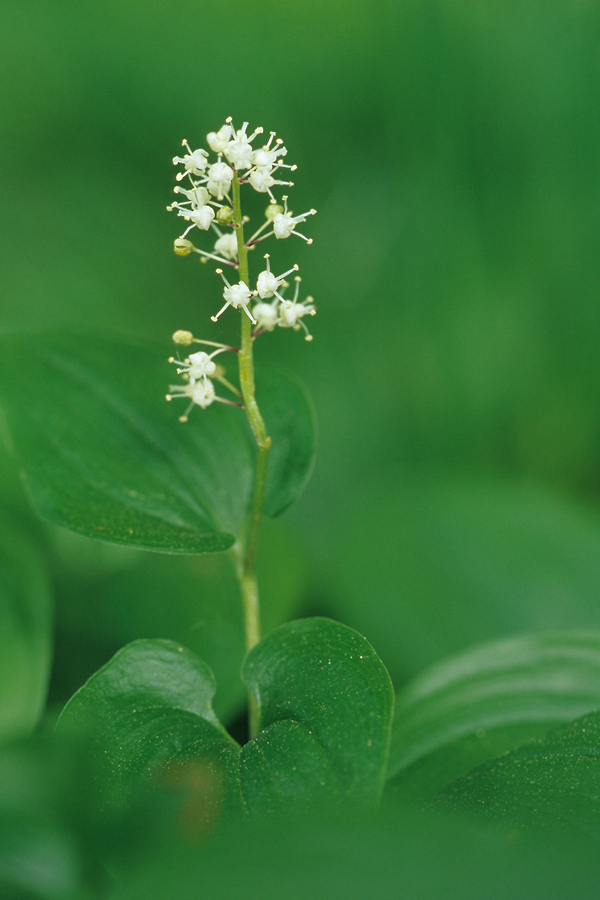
x: 266, y: 315
x: 262, y: 181
x: 219, y: 178
x: 198, y: 213
x: 283, y: 223
x: 239, y: 150
x: 218, y: 140
x: 202, y: 393
x: 290, y: 314
x: 194, y: 161
x: 237, y: 296
x: 266, y: 156
x: 227, y: 246
x: 197, y: 197
x: 197, y: 370
x: 200, y: 218
x: 268, y: 284
x: 198, y: 365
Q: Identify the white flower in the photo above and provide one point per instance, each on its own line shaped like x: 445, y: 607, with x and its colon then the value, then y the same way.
x: 219, y: 178
x: 218, y: 140
x: 195, y: 161
x: 268, y: 284
x: 237, y: 296
x: 239, y: 150
x: 197, y: 197
x: 267, y: 156
x: 266, y: 315
x: 197, y: 370
x: 199, y: 213
x: 201, y: 393
x: 288, y: 314
x: 283, y: 223
x: 291, y: 313
x: 227, y: 246
x: 262, y: 181
x: 198, y: 365
x: 200, y: 218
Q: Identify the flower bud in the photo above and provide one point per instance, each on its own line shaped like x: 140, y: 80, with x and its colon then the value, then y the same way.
x: 224, y: 215
x: 182, y: 247
x: 272, y: 210
x: 185, y: 338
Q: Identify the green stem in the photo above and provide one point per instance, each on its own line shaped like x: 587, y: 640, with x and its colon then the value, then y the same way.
x: 246, y: 558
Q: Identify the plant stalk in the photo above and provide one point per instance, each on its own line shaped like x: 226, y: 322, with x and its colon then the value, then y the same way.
x: 246, y: 559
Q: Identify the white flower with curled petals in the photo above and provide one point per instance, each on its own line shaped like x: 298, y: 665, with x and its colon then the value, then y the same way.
x: 291, y: 316
x: 262, y: 181
x: 194, y: 161
x: 239, y: 150
x: 200, y: 218
x: 218, y: 140
x: 219, y: 178
x: 288, y: 314
x: 267, y: 155
x: 196, y: 198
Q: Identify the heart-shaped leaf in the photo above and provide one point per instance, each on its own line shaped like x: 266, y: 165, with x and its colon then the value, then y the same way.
x: 326, y: 679
x: 105, y: 455
x: 325, y: 704
x: 476, y: 706
x: 150, y: 709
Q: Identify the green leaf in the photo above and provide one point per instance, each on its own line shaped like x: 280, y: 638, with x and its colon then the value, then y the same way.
x: 150, y: 710
x: 325, y: 702
x: 476, y: 706
x: 327, y: 679
x: 291, y: 422
x: 551, y: 782
x: 105, y: 455
x: 25, y: 631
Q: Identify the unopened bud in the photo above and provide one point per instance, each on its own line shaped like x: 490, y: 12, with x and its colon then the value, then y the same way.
x: 272, y: 210
x: 224, y: 215
x: 185, y: 338
x: 182, y: 247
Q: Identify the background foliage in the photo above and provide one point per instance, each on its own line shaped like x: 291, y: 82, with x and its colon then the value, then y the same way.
x: 451, y: 148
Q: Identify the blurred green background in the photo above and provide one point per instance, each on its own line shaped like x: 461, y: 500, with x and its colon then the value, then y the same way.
x: 452, y: 150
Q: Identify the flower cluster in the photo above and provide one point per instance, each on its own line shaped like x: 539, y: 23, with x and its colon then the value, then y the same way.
x: 198, y: 369
x: 211, y: 203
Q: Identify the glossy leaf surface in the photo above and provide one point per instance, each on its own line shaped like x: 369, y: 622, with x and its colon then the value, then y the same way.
x: 150, y: 709
x: 476, y: 706
x: 325, y: 702
x: 552, y: 782
x: 327, y: 679
x: 106, y: 456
